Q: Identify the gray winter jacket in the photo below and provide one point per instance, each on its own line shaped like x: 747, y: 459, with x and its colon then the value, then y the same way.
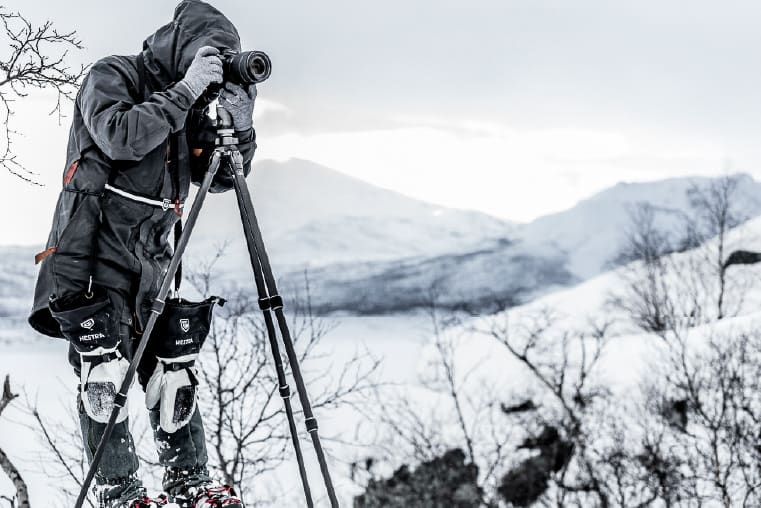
x: 146, y: 143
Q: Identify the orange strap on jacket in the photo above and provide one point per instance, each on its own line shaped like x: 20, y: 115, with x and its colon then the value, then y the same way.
x: 42, y: 255
x: 70, y: 172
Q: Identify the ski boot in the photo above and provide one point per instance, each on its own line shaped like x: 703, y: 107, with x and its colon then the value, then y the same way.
x: 209, y: 495
x: 127, y: 496
x: 147, y: 502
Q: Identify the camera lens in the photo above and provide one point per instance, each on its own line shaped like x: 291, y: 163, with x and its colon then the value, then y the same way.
x: 258, y: 66
x: 248, y: 67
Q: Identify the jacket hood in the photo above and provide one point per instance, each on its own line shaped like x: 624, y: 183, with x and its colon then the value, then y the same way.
x: 169, y: 52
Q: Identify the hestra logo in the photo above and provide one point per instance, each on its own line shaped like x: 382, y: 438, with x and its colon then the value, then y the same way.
x: 185, y: 324
x: 91, y: 337
x: 183, y: 342
x: 87, y: 325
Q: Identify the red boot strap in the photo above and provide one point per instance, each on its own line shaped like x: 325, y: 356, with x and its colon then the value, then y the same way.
x: 219, y: 496
x: 147, y: 502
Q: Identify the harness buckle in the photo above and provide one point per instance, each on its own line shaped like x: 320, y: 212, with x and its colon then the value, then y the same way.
x: 166, y: 204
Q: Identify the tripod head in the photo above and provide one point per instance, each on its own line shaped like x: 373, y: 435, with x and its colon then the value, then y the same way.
x: 225, y: 128
x: 226, y: 144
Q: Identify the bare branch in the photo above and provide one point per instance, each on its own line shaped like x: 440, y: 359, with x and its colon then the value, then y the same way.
x: 36, y: 60
x: 21, y: 499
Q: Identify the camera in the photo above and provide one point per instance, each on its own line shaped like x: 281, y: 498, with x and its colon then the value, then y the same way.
x: 246, y: 67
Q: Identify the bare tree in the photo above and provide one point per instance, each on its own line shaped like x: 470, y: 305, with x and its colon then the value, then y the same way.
x: 715, y: 213
x: 547, y: 450
x: 683, y: 278
x: 35, y: 58
x: 563, y: 424
x: 645, y: 293
x: 453, y: 434
x: 21, y: 497
x: 63, y: 458
x: 699, y: 416
x: 700, y: 421
x: 561, y: 439
x: 244, y: 415
x: 688, y: 439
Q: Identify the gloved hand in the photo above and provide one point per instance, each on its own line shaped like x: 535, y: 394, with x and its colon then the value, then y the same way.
x: 239, y: 102
x: 205, y: 69
x: 101, y: 374
x: 172, y: 390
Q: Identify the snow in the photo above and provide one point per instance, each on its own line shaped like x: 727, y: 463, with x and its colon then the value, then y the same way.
x: 591, y: 298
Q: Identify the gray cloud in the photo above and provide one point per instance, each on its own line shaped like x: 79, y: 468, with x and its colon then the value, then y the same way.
x: 689, y: 66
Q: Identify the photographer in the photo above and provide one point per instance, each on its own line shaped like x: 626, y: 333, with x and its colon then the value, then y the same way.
x: 140, y: 135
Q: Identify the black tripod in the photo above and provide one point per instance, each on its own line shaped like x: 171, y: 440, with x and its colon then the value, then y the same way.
x: 269, y: 302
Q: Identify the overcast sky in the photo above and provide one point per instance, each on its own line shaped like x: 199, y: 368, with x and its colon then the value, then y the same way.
x: 515, y: 108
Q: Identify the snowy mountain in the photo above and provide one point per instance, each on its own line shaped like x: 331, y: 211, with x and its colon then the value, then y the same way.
x: 498, y: 275
x: 590, y: 233
x: 551, y: 252
x: 592, y: 297
x: 313, y: 216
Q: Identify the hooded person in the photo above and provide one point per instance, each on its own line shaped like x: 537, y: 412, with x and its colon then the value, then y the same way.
x: 140, y: 134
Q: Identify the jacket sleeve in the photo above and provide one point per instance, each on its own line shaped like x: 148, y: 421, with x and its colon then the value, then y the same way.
x: 122, y: 129
x: 203, y: 137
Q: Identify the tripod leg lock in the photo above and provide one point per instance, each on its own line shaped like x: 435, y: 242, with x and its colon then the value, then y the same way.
x: 120, y: 400
x: 311, y: 424
x: 271, y: 303
x: 285, y: 392
x: 158, y: 306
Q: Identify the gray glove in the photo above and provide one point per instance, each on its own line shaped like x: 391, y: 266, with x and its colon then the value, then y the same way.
x: 205, y: 69
x: 239, y: 102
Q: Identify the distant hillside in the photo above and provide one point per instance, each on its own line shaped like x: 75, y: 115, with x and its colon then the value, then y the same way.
x: 559, y: 250
x: 590, y: 233
x: 313, y: 216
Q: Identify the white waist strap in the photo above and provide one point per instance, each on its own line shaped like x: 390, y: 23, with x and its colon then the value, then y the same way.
x: 164, y: 204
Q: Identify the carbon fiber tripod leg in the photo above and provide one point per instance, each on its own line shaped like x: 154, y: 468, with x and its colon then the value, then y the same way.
x: 285, y: 390
x: 273, y: 301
